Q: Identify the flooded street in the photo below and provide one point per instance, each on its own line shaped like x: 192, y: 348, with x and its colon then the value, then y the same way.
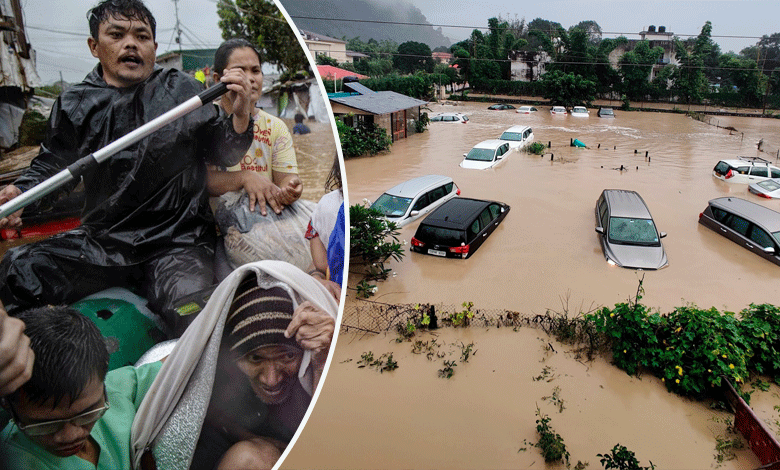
x: 545, y: 255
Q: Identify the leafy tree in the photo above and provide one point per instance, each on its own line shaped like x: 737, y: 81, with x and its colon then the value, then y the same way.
x: 322, y: 59
x: 766, y: 53
x: 745, y: 76
x: 568, y: 89
x: 543, y: 35
x: 413, y: 56
x: 592, y: 30
x: 486, y: 56
x: 261, y: 22
x: 690, y: 82
x: 635, y: 68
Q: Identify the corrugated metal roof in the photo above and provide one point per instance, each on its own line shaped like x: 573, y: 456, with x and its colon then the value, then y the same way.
x: 380, y: 102
x: 358, y: 88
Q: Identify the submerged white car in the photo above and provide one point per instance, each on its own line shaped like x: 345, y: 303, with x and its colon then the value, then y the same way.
x: 558, y: 110
x: 518, y: 136
x: 580, y: 111
x: 526, y: 109
x: 485, y: 154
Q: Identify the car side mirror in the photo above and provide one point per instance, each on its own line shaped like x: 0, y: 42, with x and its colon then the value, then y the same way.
x: 662, y: 234
x: 770, y: 250
x: 600, y: 230
x: 414, y: 213
x: 464, y: 155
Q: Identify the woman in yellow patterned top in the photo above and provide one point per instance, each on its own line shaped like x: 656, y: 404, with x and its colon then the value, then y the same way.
x: 269, y: 170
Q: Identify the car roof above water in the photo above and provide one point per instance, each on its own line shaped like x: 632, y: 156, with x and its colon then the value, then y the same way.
x: 624, y: 203
x: 519, y: 129
x: 417, y: 185
x: 749, y: 210
x: 489, y: 144
x: 457, y: 213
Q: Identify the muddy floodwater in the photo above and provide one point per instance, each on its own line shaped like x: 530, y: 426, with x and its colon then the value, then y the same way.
x: 545, y: 255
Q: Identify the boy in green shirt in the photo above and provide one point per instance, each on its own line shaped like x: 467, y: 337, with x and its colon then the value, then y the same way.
x: 72, y: 413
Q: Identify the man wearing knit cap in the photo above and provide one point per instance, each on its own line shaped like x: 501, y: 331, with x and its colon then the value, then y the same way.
x: 265, y: 338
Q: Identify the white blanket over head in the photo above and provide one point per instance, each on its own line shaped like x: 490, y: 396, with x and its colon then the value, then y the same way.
x: 170, y: 416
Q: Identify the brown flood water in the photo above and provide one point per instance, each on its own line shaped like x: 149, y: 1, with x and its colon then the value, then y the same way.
x: 544, y: 255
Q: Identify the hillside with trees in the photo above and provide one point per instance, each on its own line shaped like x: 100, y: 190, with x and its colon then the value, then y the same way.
x: 303, y: 13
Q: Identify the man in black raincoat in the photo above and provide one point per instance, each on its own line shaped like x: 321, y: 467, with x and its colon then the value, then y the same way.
x: 146, y: 221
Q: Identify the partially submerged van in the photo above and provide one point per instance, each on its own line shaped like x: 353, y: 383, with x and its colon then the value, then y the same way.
x: 748, y: 224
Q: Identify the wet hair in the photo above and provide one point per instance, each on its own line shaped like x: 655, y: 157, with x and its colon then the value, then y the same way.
x: 299, y: 118
x: 130, y: 9
x: 69, y: 353
x: 334, y: 177
x: 222, y: 56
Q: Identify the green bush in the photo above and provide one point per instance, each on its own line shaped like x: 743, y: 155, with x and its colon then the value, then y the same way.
x: 421, y: 124
x: 550, y: 443
x: 33, y: 128
x: 537, y: 148
x: 691, y: 348
x: 362, y: 140
x: 620, y: 458
x: 369, y: 245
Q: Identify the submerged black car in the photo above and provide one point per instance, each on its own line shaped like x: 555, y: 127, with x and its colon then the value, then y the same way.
x: 501, y: 106
x: 458, y: 227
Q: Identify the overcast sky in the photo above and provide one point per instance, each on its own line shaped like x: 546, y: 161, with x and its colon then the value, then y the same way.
x: 66, y: 50
x: 59, y: 33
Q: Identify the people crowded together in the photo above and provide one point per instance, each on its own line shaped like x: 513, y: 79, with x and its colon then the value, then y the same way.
x: 258, y: 349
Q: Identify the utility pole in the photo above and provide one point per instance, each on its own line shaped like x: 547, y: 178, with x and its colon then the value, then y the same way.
x: 177, y: 27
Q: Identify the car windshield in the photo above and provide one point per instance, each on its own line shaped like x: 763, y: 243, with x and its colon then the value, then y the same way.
x: 440, y: 236
x: 606, y: 111
x: 512, y: 136
x: 481, y: 155
x: 391, y: 206
x: 558, y: 109
x: 631, y: 231
x: 579, y: 109
x: 769, y: 185
x: 777, y: 236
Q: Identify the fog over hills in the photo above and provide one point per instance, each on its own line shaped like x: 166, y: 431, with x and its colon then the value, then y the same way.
x: 376, y: 10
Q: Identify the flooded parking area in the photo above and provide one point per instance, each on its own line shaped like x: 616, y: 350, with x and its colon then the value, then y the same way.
x: 545, y: 255
x: 547, y: 246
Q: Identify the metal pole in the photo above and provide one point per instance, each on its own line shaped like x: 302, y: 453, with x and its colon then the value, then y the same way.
x: 82, y: 165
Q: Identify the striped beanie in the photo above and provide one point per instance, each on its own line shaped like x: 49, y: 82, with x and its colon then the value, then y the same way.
x: 258, y: 317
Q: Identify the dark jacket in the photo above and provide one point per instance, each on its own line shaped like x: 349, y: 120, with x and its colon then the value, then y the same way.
x: 151, y: 195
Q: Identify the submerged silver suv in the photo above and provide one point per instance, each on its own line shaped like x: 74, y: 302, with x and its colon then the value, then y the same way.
x: 628, y: 234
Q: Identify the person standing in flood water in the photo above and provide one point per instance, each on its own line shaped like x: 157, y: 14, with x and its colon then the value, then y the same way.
x: 146, y: 222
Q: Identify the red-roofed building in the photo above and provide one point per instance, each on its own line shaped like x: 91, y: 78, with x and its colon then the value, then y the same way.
x: 442, y: 57
x: 329, y: 72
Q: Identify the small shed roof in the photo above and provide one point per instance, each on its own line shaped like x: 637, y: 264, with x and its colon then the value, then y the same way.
x: 380, y: 102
